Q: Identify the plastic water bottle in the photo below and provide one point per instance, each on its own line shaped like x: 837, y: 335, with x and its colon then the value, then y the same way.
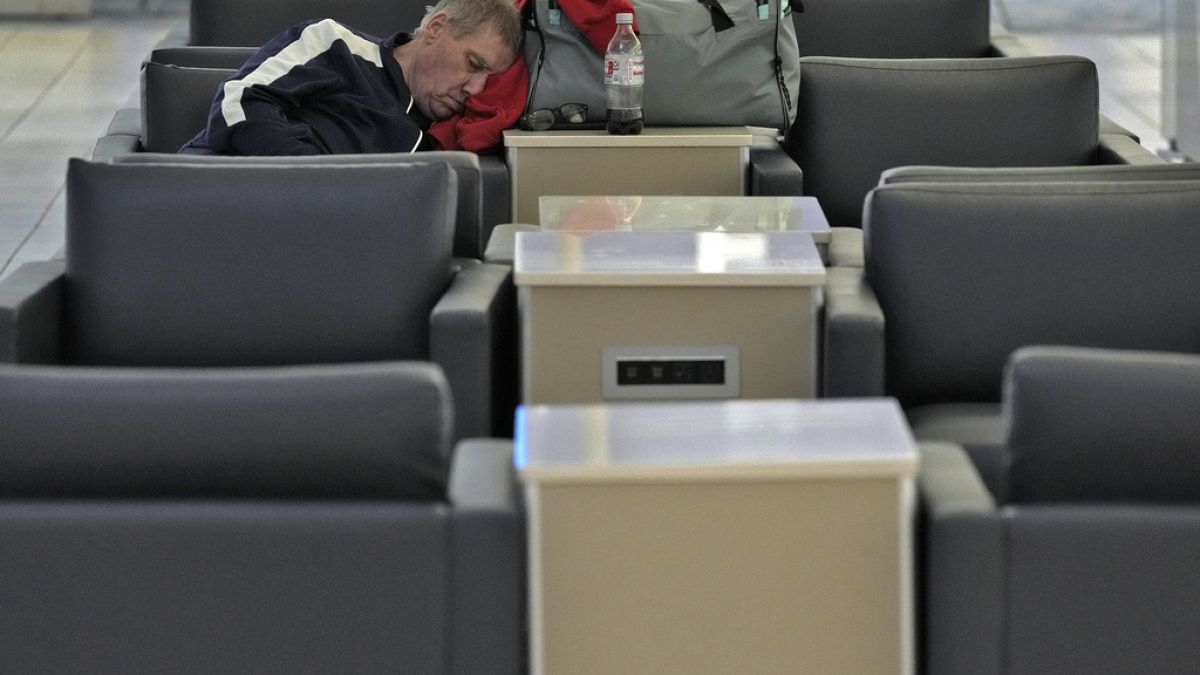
x: 624, y: 73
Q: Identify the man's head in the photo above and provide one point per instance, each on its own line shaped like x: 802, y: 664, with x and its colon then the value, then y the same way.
x: 459, y: 43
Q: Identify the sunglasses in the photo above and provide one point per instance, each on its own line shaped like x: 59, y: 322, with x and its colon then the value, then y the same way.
x: 545, y: 118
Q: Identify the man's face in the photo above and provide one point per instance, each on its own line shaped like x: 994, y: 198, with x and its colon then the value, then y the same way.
x: 447, y: 69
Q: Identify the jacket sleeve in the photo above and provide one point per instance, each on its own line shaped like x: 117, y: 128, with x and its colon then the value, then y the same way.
x: 250, y: 113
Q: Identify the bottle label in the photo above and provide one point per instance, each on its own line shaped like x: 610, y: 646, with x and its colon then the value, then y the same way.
x: 624, y: 71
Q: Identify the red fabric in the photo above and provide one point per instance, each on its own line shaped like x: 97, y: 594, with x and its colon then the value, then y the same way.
x: 596, y: 19
x: 500, y: 104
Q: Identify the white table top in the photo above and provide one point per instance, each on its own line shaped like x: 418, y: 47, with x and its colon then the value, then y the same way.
x: 651, y: 137
x: 672, y: 258
x: 704, y: 440
x: 674, y: 212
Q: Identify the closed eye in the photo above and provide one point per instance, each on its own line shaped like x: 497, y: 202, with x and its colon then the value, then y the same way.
x: 477, y: 64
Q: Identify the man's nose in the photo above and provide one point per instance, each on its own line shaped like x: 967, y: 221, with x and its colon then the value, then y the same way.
x: 475, y: 84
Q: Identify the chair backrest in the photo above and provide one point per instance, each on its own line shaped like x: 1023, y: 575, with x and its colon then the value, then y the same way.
x: 245, y: 264
x: 250, y: 23
x: 1093, y: 425
x: 1053, y: 174
x: 965, y: 274
x: 894, y: 29
x: 469, y: 232
x: 202, y: 56
x: 857, y: 117
x: 355, y: 431
x: 246, y: 520
x: 176, y: 101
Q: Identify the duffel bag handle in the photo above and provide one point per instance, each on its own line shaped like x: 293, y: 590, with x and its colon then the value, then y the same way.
x: 720, y: 18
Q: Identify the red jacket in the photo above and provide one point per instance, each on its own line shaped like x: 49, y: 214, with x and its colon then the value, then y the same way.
x: 502, y: 101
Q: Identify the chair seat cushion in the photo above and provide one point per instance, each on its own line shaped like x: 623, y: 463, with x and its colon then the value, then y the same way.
x: 978, y: 427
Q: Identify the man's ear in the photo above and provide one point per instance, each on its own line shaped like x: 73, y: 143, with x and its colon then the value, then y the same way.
x: 435, y: 26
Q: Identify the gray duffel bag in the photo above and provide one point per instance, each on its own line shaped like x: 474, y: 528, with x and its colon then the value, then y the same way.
x: 708, y: 62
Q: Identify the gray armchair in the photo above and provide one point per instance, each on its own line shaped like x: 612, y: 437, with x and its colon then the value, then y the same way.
x: 859, y: 117
x: 191, y: 263
x: 250, y: 23
x: 178, y: 86
x: 1088, y: 565
x: 895, y: 29
x: 1055, y: 174
x: 881, y: 29
x: 958, y: 276
x: 297, y: 519
x: 470, y: 231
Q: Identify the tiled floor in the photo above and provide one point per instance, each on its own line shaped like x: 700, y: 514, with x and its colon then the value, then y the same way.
x: 62, y: 80
x: 1130, y: 67
x: 61, y: 83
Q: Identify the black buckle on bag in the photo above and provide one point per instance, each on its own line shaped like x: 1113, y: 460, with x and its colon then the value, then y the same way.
x: 720, y: 18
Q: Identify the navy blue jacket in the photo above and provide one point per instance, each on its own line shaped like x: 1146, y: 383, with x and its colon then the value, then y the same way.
x: 317, y: 88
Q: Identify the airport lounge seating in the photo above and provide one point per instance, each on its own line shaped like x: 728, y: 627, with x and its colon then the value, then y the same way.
x: 898, y: 29
x: 191, y: 263
x: 250, y: 23
x: 859, y: 117
x: 287, y: 519
x: 1088, y: 565
x: 175, y: 105
x: 958, y: 276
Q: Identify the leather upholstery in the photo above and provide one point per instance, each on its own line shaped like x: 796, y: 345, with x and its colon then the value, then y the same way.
x: 965, y: 274
x: 250, y: 23
x: 1091, y: 566
x: 1063, y: 405
x: 858, y: 117
x: 897, y: 29
x: 248, y: 264
x: 298, y: 519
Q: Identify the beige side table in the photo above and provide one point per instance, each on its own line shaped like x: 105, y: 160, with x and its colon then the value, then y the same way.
x: 657, y: 213
x: 663, y: 160
x: 667, y: 315
x: 719, y: 537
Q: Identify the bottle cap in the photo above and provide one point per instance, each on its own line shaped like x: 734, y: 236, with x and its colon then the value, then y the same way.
x: 625, y: 17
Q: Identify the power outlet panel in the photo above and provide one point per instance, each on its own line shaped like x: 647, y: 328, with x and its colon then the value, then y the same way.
x: 700, y: 372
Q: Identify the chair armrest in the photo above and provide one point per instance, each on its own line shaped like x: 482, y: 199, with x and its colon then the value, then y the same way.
x: 473, y: 338
x: 502, y: 245
x: 124, y: 135
x: 853, y: 341
x: 774, y: 173
x: 31, y: 301
x: 950, y: 484
x: 846, y: 247
x: 961, y: 565
x: 482, y: 476
x: 1117, y: 148
x: 200, y: 56
x: 1007, y: 44
x: 497, y: 195
x: 175, y: 37
x: 487, y: 562
x: 111, y: 145
x: 1107, y: 126
x: 125, y: 122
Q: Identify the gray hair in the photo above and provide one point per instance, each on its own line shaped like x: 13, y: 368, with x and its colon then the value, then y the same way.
x: 466, y: 17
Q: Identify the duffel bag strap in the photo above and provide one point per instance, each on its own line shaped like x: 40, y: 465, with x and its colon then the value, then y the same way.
x: 720, y: 18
